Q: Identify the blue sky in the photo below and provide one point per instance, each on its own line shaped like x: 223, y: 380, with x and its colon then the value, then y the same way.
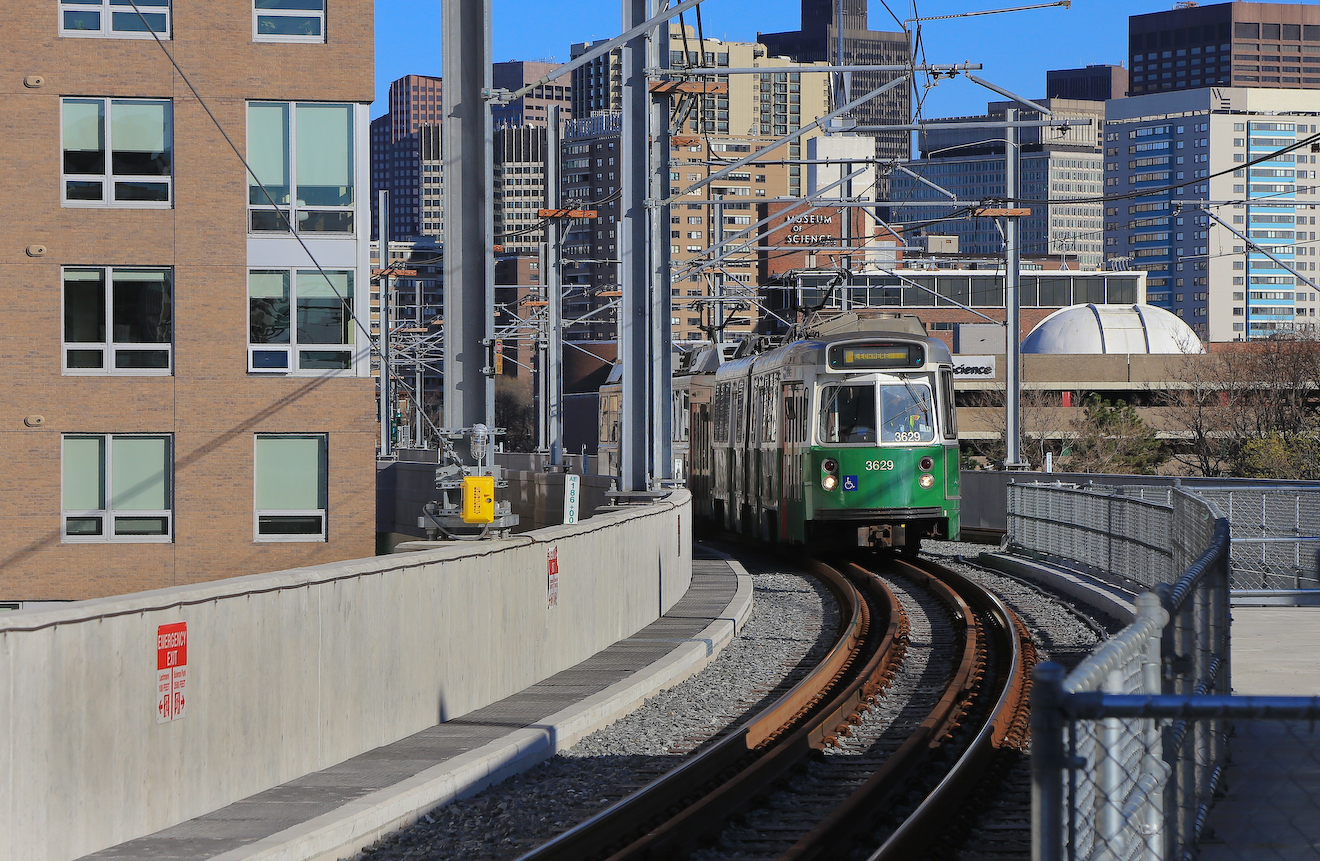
x: 1016, y: 48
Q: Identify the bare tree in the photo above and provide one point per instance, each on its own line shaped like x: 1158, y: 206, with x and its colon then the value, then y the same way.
x: 1251, y: 410
x: 1043, y: 426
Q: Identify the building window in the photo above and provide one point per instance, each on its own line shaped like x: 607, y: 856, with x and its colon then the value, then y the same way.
x: 124, y: 162
x: 301, y: 155
x: 300, y: 320
x: 290, y: 487
x: 288, y: 20
x: 116, y: 488
x: 115, y: 18
x: 118, y: 321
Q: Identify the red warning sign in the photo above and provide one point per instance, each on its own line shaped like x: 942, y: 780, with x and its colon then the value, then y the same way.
x: 552, y: 577
x: 171, y: 671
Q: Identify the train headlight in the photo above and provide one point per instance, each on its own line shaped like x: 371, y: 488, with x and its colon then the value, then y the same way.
x: 829, y: 468
x: 927, y: 481
x: 927, y: 463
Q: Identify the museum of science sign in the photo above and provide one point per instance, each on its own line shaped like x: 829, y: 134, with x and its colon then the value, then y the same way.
x: 801, y: 227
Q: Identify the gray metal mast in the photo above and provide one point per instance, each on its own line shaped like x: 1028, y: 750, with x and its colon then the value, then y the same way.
x: 718, y: 286
x: 419, y: 375
x: 634, y: 268
x: 661, y: 330
x: 469, y: 227
x: 551, y: 276
x: 1012, y: 298
x: 386, y: 413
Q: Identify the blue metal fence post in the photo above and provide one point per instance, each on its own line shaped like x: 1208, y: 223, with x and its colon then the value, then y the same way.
x: 1047, y: 762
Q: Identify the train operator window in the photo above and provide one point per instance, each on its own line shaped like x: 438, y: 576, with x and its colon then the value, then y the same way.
x: 907, y: 413
x: 848, y: 414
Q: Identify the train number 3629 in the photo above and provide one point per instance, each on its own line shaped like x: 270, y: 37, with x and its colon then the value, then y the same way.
x: 879, y: 465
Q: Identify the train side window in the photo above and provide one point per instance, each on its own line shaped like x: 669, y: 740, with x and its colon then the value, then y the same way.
x: 721, y: 417
x: 947, y: 405
x: 738, y: 415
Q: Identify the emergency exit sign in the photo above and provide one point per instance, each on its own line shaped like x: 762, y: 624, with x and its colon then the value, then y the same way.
x: 171, y: 671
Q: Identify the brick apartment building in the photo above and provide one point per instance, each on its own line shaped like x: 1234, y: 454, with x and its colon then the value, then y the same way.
x: 190, y: 394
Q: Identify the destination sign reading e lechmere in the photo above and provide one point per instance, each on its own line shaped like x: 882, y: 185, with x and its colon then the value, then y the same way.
x: 875, y: 355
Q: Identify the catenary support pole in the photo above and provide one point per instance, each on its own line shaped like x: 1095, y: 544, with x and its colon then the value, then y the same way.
x: 1012, y: 299
x: 551, y: 277
x: 661, y: 331
x: 469, y: 228
x: 634, y: 268
x: 386, y: 411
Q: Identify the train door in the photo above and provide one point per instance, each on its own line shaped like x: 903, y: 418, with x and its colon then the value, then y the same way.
x: 738, y: 471
x: 721, y: 476
x: 949, y: 427
x: 792, y: 435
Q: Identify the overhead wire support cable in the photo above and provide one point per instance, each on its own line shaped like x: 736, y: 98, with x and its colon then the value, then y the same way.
x: 505, y: 97
x: 787, y: 139
x: 765, y: 70
x: 372, y: 347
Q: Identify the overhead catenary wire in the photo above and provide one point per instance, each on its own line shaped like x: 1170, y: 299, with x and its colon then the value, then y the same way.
x: 372, y: 346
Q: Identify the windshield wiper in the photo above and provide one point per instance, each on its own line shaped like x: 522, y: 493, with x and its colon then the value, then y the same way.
x: 917, y: 400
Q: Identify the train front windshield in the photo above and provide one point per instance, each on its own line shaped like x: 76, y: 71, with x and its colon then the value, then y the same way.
x: 906, y: 413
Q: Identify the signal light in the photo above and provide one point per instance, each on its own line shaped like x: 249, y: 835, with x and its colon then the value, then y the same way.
x: 927, y: 481
x: 829, y: 480
x: 927, y: 463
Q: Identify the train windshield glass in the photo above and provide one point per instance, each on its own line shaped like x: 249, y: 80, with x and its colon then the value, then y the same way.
x: 848, y: 414
x: 907, y: 413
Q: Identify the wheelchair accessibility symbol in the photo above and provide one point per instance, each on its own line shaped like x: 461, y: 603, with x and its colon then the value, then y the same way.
x: 850, y: 482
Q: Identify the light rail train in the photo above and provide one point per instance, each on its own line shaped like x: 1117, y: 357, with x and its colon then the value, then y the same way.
x: 848, y: 438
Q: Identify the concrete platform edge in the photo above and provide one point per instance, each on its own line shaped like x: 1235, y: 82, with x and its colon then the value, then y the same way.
x: 351, y: 828
x: 1090, y: 591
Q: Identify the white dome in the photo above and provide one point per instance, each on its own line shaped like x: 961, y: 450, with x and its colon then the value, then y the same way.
x: 1112, y: 329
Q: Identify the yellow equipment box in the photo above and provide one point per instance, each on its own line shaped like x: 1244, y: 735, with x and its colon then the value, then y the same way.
x: 479, y: 499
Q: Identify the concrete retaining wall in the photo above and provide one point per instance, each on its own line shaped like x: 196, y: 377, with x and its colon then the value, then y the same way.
x: 294, y: 671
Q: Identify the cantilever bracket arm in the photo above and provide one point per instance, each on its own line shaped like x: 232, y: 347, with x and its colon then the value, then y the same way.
x: 787, y: 139
x: 1251, y: 245
x: 1011, y: 95
x: 504, y: 97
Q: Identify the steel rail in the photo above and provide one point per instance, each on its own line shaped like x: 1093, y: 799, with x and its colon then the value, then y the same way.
x: 833, y: 835
x: 1005, y: 727
x: 771, y: 742
x: 730, y: 774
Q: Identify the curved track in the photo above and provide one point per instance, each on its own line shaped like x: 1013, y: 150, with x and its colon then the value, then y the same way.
x: 929, y: 737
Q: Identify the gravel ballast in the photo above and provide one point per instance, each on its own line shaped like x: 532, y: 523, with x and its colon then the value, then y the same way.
x: 793, y: 619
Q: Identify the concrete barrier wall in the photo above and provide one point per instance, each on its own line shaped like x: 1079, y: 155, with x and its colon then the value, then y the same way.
x: 294, y: 671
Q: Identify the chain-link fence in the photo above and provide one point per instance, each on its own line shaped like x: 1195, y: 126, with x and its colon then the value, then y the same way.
x: 1121, y: 786
x: 1119, y: 775
x: 1276, y: 533
x: 1104, y: 535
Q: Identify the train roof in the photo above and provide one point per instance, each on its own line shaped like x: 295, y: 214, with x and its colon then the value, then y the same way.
x: 811, y: 351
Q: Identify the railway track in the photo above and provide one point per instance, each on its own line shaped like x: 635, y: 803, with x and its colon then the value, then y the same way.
x: 925, y: 682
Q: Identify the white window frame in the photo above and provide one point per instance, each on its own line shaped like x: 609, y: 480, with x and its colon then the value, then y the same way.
x: 107, y: 10
x: 292, y: 208
x: 108, y: 177
x: 293, y: 349
x: 110, y: 512
x: 110, y: 347
x: 324, y: 491
x: 319, y: 16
